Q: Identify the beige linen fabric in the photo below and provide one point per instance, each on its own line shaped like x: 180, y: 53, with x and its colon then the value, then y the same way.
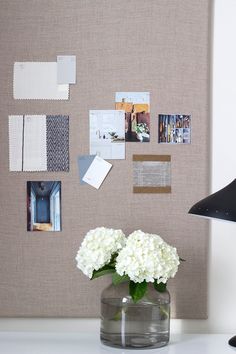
x: 35, y: 143
x: 155, y: 46
x: 15, y: 133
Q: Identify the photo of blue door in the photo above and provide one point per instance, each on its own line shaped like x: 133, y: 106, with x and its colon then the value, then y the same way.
x: 43, y: 210
x: 44, y: 206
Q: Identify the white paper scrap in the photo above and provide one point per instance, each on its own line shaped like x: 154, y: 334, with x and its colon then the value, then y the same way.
x: 66, y: 69
x: 38, y: 80
x: 97, y: 172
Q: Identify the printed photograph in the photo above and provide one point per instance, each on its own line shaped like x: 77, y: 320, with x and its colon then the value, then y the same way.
x: 174, y: 129
x: 44, y: 206
x: 137, y: 115
x: 107, y: 134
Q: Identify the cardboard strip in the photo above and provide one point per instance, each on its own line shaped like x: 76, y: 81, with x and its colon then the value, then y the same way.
x: 166, y: 189
x: 152, y: 158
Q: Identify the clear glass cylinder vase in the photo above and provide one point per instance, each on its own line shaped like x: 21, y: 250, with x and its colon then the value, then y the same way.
x: 125, y: 324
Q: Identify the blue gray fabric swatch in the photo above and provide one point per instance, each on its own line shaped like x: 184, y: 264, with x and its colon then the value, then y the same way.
x: 84, y: 161
x: 66, y: 69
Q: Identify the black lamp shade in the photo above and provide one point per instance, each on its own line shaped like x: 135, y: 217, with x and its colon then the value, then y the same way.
x: 220, y: 205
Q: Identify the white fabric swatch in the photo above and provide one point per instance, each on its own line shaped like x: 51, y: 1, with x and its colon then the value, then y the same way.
x: 66, y: 69
x: 35, y: 145
x: 38, y: 80
x: 97, y: 172
x: 15, y: 124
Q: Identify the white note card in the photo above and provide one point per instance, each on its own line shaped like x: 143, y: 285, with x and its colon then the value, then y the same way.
x: 97, y: 172
x: 38, y: 80
x: 66, y: 69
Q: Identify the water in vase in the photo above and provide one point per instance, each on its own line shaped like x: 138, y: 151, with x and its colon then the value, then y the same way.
x: 129, y: 325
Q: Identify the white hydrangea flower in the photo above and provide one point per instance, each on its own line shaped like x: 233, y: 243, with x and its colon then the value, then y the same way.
x: 147, y: 257
x: 97, y: 249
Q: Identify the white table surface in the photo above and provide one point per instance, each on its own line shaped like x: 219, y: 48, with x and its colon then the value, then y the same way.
x: 89, y: 343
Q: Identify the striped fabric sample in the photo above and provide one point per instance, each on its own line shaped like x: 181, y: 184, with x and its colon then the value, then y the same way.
x: 58, y: 143
x: 39, y: 143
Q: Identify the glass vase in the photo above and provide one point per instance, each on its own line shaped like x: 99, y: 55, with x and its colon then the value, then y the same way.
x: 125, y: 324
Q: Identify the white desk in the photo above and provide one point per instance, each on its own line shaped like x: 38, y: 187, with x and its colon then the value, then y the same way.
x: 85, y: 343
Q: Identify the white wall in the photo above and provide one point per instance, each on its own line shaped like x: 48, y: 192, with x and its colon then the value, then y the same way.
x: 222, y: 286
x: 222, y: 257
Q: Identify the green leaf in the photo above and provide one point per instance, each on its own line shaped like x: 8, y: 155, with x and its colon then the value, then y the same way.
x: 113, y: 260
x: 137, y: 290
x: 161, y: 287
x: 117, y: 278
x: 107, y: 269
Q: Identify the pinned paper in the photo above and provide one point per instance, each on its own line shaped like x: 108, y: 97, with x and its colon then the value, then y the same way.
x: 39, y: 143
x: 66, y: 69
x: 107, y: 133
x: 174, y: 129
x: 137, y: 114
x: 97, y: 172
x: 83, y: 164
x: 38, y: 80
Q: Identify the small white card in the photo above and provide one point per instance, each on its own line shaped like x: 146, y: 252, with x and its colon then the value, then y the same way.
x: 97, y: 172
x: 66, y: 69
